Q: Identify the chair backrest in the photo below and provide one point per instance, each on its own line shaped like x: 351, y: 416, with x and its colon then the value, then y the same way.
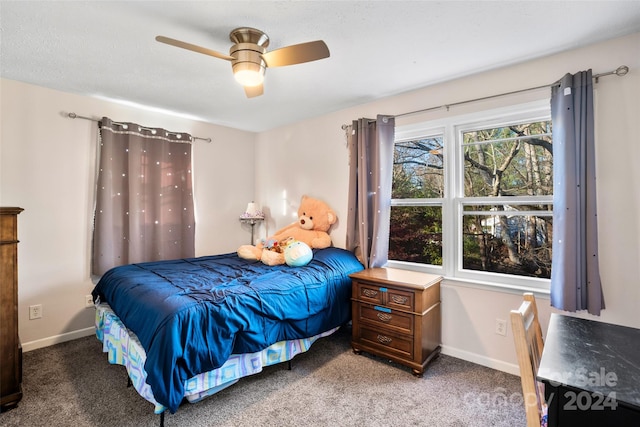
x: 528, y: 296
x: 527, y: 335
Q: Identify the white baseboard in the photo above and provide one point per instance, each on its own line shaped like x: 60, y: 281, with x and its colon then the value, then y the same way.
x: 57, y: 339
x: 499, y: 365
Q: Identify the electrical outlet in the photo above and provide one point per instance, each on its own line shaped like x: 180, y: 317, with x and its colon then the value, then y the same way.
x: 88, y: 301
x: 501, y: 327
x: 35, y: 311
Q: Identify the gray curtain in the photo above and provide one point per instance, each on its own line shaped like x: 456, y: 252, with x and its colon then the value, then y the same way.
x: 144, y: 202
x: 370, y: 174
x: 575, y: 275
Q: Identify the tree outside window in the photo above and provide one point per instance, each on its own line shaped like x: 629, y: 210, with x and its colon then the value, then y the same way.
x: 513, y: 236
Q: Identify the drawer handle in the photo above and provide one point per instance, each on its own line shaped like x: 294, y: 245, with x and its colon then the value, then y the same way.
x: 384, y: 317
x: 369, y: 293
x: 398, y: 299
x: 383, y: 339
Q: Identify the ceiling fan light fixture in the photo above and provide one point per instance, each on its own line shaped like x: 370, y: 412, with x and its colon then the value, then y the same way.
x: 248, y: 74
x: 249, y: 58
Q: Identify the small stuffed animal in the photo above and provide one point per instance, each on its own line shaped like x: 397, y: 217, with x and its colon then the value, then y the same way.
x: 315, y: 218
x: 272, y: 245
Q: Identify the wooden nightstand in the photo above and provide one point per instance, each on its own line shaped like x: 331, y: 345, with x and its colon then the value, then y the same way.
x: 396, y: 315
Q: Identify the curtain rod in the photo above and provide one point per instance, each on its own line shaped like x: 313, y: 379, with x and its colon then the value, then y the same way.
x: 620, y: 71
x: 76, y: 116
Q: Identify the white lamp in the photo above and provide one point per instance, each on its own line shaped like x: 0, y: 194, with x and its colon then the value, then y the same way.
x: 252, y: 212
x: 251, y: 209
x: 251, y: 216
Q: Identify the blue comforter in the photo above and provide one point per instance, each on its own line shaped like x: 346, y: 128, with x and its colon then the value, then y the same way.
x: 191, y: 314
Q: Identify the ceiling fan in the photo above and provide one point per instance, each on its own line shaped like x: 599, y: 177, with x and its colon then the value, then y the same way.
x: 249, y: 58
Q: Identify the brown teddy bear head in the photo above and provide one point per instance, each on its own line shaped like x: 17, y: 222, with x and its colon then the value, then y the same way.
x: 314, y: 214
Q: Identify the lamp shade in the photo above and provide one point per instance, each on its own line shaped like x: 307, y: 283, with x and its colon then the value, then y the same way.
x: 252, y: 209
x: 253, y: 212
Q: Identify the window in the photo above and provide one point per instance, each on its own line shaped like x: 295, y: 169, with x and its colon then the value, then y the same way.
x: 415, y: 232
x: 472, y: 197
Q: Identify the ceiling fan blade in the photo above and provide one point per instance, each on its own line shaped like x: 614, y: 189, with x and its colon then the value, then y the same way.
x: 194, y: 48
x: 253, y: 91
x: 296, y: 54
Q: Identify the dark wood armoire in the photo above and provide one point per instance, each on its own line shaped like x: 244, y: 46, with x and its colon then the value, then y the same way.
x: 10, y: 347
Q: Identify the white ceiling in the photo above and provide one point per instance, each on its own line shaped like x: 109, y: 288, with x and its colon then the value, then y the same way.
x: 378, y: 48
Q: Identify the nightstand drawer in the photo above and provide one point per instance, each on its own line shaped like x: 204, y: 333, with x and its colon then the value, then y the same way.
x: 387, y: 341
x: 385, y: 317
x: 369, y: 292
x: 382, y: 295
x: 399, y: 299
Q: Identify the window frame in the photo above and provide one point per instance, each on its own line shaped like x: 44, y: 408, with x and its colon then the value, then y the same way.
x: 451, y: 128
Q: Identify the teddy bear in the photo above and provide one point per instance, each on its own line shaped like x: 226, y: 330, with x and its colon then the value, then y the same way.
x: 315, y: 218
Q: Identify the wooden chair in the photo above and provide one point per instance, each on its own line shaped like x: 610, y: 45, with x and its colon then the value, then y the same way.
x: 527, y: 335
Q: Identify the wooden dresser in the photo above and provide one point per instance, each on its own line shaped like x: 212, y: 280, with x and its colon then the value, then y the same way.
x: 10, y: 347
x: 396, y: 315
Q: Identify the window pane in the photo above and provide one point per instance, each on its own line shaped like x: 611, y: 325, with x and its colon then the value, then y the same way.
x: 415, y: 234
x: 418, y: 169
x: 507, y: 241
x: 514, y: 160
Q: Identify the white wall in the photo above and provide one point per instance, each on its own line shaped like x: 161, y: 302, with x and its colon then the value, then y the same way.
x: 47, y: 167
x: 311, y: 157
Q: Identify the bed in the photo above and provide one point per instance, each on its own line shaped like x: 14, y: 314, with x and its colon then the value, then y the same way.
x: 188, y: 328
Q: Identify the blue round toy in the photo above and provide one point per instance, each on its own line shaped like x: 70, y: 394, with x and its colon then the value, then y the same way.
x: 297, y: 254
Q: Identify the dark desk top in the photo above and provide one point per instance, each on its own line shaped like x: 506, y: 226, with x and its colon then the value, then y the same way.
x: 592, y: 356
